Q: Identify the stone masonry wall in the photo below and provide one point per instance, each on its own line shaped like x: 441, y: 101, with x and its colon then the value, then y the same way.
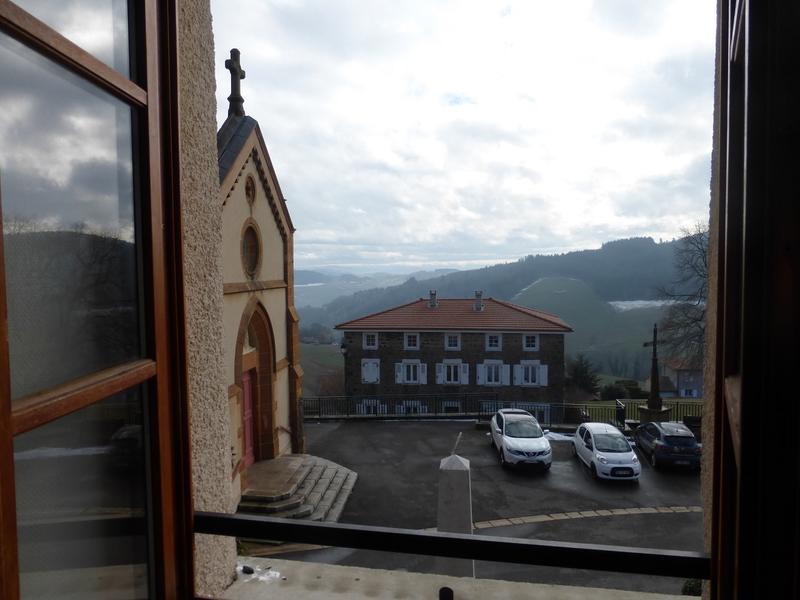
x: 473, y: 351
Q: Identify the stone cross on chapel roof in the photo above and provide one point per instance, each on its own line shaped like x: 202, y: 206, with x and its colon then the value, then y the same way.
x: 236, y: 107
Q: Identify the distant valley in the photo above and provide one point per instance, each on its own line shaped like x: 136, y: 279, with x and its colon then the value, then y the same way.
x: 610, y: 295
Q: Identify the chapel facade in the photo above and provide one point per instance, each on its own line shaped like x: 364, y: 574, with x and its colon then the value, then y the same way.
x: 261, y: 335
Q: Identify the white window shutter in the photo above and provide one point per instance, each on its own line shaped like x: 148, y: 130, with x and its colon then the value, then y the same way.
x: 517, y: 374
x: 423, y: 374
x: 439, y: 373
x: 376, y: 371
x: 542, y: 375
x: 480, y: 371
x: 464, y: 374
x: 364, y: 369
x: 506, y: 375
x: 398, y: 372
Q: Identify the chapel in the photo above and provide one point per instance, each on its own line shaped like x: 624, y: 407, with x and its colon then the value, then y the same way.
x: 261, y: 340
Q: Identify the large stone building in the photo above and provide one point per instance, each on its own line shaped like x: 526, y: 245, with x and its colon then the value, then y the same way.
x: 449, y: 346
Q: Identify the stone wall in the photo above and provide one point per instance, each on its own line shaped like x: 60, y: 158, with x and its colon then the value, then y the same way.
x: 473, y: 351
x: 215, y: 557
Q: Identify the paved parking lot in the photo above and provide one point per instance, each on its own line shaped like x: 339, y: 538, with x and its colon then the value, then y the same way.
x: 398, y: 462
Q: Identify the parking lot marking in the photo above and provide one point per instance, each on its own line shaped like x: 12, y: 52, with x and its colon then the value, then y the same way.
x: 584, y: 514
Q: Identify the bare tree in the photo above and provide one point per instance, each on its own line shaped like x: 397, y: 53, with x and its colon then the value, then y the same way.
x: 682, y: 329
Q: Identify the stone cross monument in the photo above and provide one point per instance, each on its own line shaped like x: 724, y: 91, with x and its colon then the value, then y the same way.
x: 654, y: 412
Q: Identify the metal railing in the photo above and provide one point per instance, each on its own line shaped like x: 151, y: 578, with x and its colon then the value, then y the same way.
x: 668, y: 563
x: 482, y: 406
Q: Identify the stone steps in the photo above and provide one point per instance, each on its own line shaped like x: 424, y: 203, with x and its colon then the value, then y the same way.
x: 314, y: 488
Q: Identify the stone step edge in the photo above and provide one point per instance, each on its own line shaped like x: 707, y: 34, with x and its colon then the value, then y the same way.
x: 341, y: 500
x: 286, y: 505
x: 251, y: 495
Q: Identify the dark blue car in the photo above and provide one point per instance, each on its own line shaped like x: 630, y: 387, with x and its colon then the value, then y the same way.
x: 668, y: 444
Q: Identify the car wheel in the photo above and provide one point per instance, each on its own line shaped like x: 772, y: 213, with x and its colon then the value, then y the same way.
x: 503, y: 462
x: 593, y: 471
x: 653, y: 460
x: 491, y: 441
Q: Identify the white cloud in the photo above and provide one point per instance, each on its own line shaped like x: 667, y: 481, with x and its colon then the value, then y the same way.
x: 450, y: 133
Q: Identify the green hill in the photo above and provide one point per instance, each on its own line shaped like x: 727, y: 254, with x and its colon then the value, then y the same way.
x: 612, y: 339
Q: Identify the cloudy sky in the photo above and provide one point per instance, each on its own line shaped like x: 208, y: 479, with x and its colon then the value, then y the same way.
x: 447, y: 133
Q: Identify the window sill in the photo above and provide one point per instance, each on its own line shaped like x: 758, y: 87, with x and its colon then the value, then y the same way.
x: 291, y: 579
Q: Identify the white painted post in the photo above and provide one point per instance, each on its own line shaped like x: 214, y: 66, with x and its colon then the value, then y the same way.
x: 455, y: 510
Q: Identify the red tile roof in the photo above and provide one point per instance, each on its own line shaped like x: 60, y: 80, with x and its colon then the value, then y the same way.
x: 459, y: 314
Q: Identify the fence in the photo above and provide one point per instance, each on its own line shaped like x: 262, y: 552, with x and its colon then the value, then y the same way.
x: 481, y: 406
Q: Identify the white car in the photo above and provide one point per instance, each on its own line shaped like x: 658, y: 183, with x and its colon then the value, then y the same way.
x: 606, y: 452
x: 519, y: 439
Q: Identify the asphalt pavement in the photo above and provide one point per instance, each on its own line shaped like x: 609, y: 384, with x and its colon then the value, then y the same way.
x: 397, y: 463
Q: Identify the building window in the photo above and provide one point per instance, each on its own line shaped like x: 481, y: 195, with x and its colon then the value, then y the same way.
x: 411, y: 341
x: 251, y: 249
x: 494, y: 341
x: 87, y: 220
x: 452, y: 372
x: 411, y: 372
x: 369, y: 341
x: 530, y: 341
x: 529, y: 374
x: 494, y: 372
x: 452, y: 341
x: 370, y: 370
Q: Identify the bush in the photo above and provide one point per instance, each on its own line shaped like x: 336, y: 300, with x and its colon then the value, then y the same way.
x: 612, y: 391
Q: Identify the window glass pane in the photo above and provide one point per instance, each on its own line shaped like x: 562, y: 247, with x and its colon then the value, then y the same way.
x: 66, y: 191
x: 81, y: 515
x: 98, y: 26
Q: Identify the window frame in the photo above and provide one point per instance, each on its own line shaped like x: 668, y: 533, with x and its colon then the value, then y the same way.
x: 498, y: 364
x: 406, y: 336
x: 364, y: 344
x: 455, y: 348
x: 411, y: 363
x: 535, y: 347
x: 533, y: 365
x: 150, y: 92
x: 455, y: 364
x: 499, y: 347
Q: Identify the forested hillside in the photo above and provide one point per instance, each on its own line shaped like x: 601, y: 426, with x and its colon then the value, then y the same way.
x: 630, y: 269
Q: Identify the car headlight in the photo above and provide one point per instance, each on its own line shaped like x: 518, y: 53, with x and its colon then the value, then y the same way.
x: 547, y: 450
x: 516, y: 452
x: 601, y: 458
x: 635, y: 459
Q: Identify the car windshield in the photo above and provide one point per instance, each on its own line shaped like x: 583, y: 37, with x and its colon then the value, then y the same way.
x: 523, y: 429
x: 684, y: 441
x: 610, y: 442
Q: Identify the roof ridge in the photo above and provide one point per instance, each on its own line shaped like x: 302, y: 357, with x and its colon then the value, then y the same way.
x: 524, y: 309
x: 380, y: 312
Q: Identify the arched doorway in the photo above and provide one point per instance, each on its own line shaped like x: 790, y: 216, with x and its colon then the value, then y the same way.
x: 254, y: 371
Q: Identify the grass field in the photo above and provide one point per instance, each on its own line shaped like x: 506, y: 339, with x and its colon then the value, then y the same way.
x: 320, y: 362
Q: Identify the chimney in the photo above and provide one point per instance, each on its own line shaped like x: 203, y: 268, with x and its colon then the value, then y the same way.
x: 478, y: 300
x: 432, y: 301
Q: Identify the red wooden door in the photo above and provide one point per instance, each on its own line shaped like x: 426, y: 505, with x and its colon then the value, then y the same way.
x: 247, y: 386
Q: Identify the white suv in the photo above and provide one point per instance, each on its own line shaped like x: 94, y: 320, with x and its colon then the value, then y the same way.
x: 519, y: 439
x: 606, y: 452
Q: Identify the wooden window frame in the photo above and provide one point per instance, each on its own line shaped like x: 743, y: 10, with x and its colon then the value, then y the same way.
x: 152, y: 96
